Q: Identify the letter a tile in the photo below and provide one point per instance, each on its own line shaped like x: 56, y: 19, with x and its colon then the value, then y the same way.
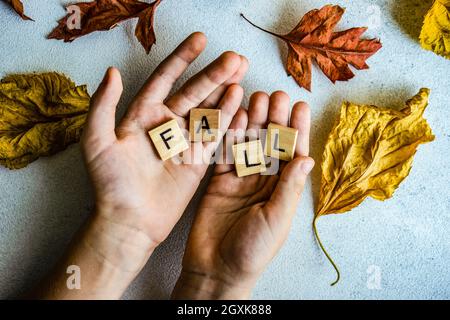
x: 204, y: 124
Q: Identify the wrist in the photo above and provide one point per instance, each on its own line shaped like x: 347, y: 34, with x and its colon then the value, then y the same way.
x: 121, y: 246
x: 102, y: 261
x: 201, y: 286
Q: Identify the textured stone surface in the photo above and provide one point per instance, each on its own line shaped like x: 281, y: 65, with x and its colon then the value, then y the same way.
x: 406, y: 237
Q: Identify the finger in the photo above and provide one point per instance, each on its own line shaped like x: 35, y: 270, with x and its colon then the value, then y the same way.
x: 279, y: 108
x: 214, y: 98
x: 100, y: 123
x: 198, y: 88
x: 301, y: 120
x: 239, y: 126
x: 235, y: 135
x: 158, y: 86
x: 257, y: 113
x: 283, y: 202
x: 229, y: 105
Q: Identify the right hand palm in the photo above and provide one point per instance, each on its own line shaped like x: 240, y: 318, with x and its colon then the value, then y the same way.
x: 242, y: 222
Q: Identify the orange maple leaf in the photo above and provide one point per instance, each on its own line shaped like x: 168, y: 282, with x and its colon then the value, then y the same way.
x: 314, y: 39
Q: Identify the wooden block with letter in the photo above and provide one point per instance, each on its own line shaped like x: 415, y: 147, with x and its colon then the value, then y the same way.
x: 249, y: 158
x: 204, y: 124
x: 168, y: 140
x: 280, y: 142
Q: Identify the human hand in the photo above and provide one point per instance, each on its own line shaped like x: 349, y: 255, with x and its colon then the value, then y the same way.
x: 242, y: 222
x: 138, y: 196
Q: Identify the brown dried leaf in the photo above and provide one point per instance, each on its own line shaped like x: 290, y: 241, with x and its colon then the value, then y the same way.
x: 17, y: 5
x: 102, y: 15
x: 145, y: 32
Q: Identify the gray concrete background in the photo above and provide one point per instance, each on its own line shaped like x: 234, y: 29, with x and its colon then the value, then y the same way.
x: 405, y: 238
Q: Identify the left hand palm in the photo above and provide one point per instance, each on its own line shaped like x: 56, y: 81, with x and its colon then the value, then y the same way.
x: 242, y: 222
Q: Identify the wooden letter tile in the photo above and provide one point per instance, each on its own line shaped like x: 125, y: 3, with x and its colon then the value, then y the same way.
x: 204, y: 124
x: 249, y: 158
x: 168, y: 140
x: 280, y: 142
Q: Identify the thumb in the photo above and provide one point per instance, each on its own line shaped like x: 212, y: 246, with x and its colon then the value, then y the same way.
x: 100, y: 124
x: 290, y: 186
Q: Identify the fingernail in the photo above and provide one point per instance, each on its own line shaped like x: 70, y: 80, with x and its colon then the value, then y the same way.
x: 307, y: 166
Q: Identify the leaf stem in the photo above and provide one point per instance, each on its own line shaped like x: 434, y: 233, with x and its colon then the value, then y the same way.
x: 262, y: 29
x: 326, y: 253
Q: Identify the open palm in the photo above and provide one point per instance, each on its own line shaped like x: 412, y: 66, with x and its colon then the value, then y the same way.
x: 136, y: 192
x: 242, y: 222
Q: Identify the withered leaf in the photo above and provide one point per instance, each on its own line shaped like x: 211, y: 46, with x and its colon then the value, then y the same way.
x: 313, y: 39
x: 17, y: 5
x: 40, y: 115
x: 369, y: 153
x: 102, y: 15
x: 145, y: 32
x: 435, y: 34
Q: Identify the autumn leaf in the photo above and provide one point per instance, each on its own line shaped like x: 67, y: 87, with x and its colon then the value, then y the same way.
x: 313, y: 39
x: 368, y: 154
x: 435, y: 34
x: 102, y: 15
x: 145, y: 32
x: 40, y: 115
x: 17, y: 5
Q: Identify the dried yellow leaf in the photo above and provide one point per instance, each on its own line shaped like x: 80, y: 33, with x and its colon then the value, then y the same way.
x: 369, y: 153
x: 435, y: 35
x: 40, y: 114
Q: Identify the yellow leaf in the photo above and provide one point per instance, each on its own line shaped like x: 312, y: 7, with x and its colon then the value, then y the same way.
x: 369, y: 153
x: 435, y: 35
x: 40, y: 115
